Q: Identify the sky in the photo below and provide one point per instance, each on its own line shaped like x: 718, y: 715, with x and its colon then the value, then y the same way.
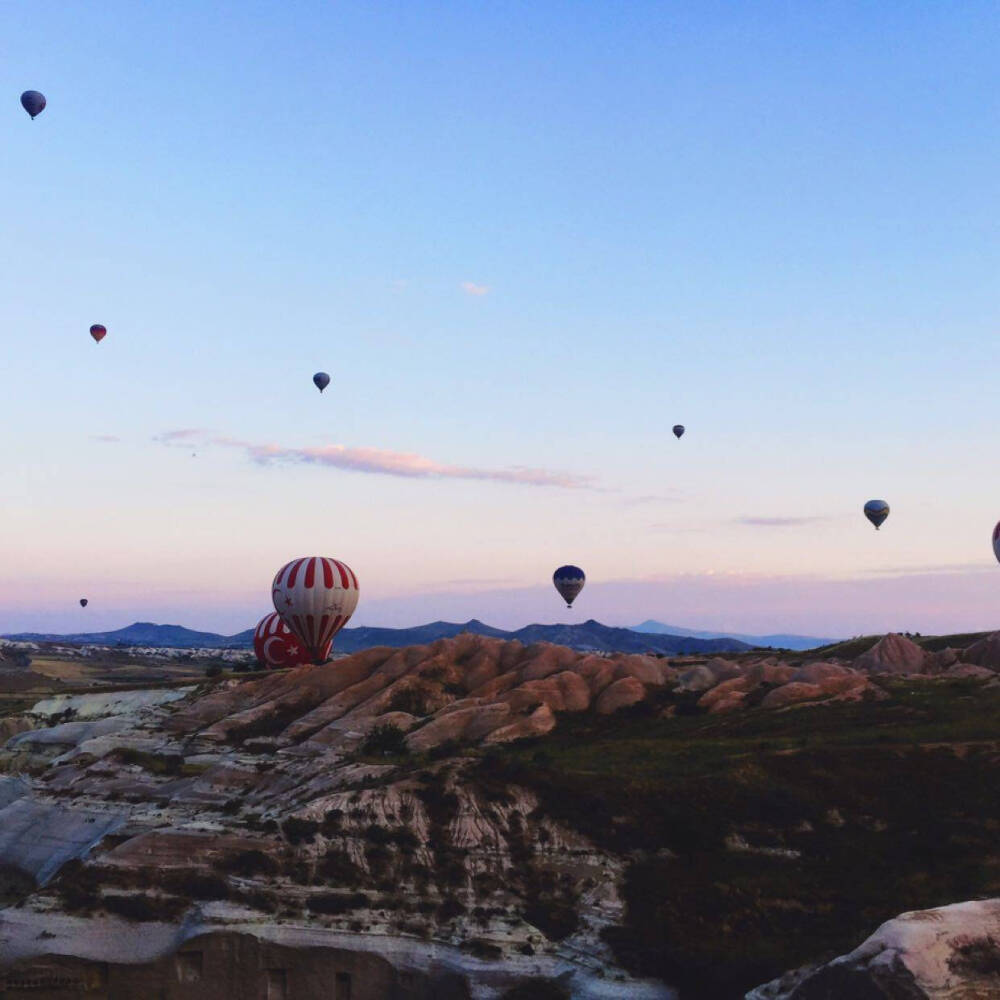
x: 524, y: 239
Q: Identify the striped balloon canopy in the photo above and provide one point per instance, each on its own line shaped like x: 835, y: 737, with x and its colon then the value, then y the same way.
x: 315, y: 596
x: 275, y: 645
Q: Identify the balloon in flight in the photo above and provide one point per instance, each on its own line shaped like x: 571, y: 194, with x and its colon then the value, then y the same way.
x: 876, y: 511
x: 316, y: 597
x: 678, y: 430
x: 275, y: 645
x: 996, y: 541
x: 33, y: 102
x: 569, y: 581
x: 321, y: 380
x: 98, y: 332
x: 84, y: 602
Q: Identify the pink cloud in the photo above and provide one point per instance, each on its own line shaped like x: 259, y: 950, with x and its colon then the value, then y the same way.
x: 380, y: 461
x: 471, y: 288
x: 107, y: 438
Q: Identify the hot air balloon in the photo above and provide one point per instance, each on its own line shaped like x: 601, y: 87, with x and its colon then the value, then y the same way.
x: 275, y: 645
x: 569, y: 581
x: 84, y: 602
x: 996, y: 541
x: 316, y: 597
x: 33, y: 102
x: 678, y: 430
x: 876, y: 511
x: 98, y: 332
x: 321, y: 380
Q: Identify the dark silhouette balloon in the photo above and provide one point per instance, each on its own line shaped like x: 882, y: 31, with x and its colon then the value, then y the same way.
x: 33, y: 102
x: 98, y: 332
x: 569, y: 581
x: 83, y: 602
x: 678, y: 430
x: 876, y: 511
x: 321, y: 380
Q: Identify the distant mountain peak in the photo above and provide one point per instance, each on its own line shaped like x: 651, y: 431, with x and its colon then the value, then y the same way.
x: 591, y: 635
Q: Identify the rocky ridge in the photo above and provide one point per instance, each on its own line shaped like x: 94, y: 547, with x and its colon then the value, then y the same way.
x: 279, y: 800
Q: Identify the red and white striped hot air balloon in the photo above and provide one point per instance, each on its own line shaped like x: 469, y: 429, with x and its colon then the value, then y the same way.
x: 275, y: 645
x: 316, y: 597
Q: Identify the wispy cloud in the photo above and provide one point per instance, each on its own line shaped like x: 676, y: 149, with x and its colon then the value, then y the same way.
x: 379, y: 461
x: 107, y: 438
x: 471, y: 288
x: 653, y: 498
x: 179, y: 436
x: 966, y: 567
x: 778, y: 522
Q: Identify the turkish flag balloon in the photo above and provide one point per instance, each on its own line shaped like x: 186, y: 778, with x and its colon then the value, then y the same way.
x: 275, y: 645
x: 315, y: 597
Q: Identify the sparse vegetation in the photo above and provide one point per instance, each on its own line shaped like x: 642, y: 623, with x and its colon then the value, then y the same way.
x: 335, y: 903
x: 537, y: 988
x: 156, y: 763
x: 877, y: 806
x: 385, y: 741
x: 250, y: 863
x: 144, y: 907
x: 298, y: 831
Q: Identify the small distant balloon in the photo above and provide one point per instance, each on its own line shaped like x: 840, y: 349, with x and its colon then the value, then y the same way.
x: 996, y: 541
x: 569, y: 581
x: 321, y: 380
x: 678, y: 430
x: 876, y: 511
x: 98, y: 332
x: 84, y: 602
x: 33, y: 102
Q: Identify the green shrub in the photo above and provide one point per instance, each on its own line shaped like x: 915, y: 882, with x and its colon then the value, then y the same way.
x: 143, y: 907
x: 298, y: 831
x: 335, y: 902
x: 536, y: 988
x: 385, y: 741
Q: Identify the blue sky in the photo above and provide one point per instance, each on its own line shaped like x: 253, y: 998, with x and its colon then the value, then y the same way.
x: 519, y: 237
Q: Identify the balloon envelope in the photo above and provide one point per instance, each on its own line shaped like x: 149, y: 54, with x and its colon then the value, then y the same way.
x: 996, y: 541
x: 275, y: 645
x: 678, y: 430
x: 83, y: 602
x: 315, y: 597
x: 569, y: 581
x: 33, y: 102
x: 321, y: 380
x: 98, y: 332
x: 876, y: 511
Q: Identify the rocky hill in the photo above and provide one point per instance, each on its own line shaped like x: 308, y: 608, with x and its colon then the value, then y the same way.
x: 474, y: 816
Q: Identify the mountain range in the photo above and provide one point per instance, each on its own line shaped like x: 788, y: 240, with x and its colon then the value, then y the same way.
x: 589, y: 636
x: 779, y: 640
